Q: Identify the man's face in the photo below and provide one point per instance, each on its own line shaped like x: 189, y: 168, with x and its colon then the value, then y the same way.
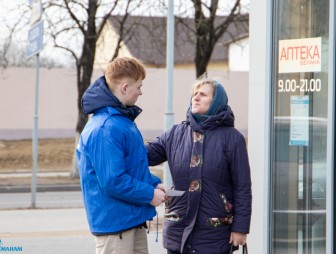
x: 201, y: 100
x: 133, y: 91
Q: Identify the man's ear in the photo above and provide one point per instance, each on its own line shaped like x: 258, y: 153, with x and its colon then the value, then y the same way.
x: 124, y: 88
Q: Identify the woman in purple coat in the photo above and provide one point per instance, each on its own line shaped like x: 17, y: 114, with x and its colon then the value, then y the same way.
x: 208, y: 160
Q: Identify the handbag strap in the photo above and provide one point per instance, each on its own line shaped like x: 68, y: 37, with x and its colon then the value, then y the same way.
x: 234, y: 248
x: 245, y: 249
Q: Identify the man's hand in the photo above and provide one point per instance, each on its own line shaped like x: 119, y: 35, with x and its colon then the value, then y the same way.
x: 237, y: 238
x: 159, y: 197
x: 160, y: 186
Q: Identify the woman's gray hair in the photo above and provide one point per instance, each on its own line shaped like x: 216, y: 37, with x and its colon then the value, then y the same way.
x: 202, y: 80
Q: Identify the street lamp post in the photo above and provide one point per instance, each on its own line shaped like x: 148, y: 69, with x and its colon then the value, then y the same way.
x: 169, y: 115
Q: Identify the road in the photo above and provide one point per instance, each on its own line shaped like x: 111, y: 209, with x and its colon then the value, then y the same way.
x: 66, y: 199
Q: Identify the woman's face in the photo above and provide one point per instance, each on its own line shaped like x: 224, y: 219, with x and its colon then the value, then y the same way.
x: 202, y: 99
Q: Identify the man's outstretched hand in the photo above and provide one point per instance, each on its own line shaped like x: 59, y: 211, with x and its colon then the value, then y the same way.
x: 159, y: 197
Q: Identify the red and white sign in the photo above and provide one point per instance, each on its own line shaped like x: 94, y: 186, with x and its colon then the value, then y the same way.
x: 300, y: 55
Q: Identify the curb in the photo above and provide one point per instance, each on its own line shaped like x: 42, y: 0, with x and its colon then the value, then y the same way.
x: 41, y: 188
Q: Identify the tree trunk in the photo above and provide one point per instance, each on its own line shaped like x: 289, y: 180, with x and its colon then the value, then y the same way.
x: 207, y: 33
x: 84, y: 74
x: 202, y: 56
x: 74, y: 168
x: 201, y: 67
x: 83, y: 84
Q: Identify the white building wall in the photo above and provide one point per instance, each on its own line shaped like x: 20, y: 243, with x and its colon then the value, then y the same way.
x: 106, y: 46
x: 58, y: 100
x: 239, y: 55
x: 258, y: 119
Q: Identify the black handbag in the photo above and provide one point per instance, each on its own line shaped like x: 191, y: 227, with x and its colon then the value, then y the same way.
x: 234, y: 248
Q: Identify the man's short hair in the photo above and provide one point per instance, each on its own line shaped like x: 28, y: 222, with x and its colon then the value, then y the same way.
x: 124, y: 67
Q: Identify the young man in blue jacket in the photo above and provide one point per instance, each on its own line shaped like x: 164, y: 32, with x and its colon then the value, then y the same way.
x: 119, y: 192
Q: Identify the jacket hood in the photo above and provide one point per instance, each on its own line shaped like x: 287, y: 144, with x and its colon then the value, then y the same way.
x: 225, y: 118
x: 98, y: 96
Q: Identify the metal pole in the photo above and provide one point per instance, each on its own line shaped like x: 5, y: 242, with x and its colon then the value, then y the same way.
x: 169, y: 115
x: 35, y: 136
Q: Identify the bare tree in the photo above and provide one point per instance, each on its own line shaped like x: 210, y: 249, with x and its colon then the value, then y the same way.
x: 209, y: 27
x: 5, y: 47
x: 75, y: 26
x: 15, y: 55
x: 13, y: 45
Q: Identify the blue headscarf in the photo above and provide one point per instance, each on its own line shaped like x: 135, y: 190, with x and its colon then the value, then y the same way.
x: 219, y: 103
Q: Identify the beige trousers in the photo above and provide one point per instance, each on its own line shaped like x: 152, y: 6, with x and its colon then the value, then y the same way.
x: 133, y: 241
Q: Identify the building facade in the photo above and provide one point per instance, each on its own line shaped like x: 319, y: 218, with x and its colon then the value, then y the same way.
x: 292, y: 122
x: 58, y: 96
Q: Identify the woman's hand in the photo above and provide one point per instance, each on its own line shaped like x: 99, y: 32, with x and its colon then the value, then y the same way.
x: 237, y: 238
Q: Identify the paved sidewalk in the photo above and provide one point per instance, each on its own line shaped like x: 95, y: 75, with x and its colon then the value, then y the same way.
x: 57, y: 226
x: 54, y: 231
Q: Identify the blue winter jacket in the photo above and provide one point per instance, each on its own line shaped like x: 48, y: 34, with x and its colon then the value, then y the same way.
x: 116, y: 183
x: 196, y: 222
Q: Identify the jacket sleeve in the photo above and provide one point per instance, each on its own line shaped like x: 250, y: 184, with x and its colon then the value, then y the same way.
x: 108, y: 159
x: 241, y: 185
x: 157, y: 150
x: 155, y: 180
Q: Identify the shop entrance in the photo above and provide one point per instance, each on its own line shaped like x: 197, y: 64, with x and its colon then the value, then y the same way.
x: 299, y: 127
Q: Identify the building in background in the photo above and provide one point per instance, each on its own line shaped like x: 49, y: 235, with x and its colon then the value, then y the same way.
x: 58, y: 92
x: 145, y: 38
x: 292, y: 126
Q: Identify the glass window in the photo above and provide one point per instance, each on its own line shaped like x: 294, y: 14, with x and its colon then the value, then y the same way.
x: 299, y: 140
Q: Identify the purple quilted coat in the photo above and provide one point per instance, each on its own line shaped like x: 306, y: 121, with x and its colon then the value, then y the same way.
x: 210, y: 163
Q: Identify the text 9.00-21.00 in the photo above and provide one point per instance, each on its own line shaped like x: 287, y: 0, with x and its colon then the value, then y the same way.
x: 305, y: 85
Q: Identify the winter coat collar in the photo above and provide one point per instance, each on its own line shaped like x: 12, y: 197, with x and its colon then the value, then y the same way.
x: 98, y: 96
x: 225, y: 118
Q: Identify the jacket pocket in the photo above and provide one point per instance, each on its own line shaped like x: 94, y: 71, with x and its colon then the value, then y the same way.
x: 172, y: 216
x: 227, y: 217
